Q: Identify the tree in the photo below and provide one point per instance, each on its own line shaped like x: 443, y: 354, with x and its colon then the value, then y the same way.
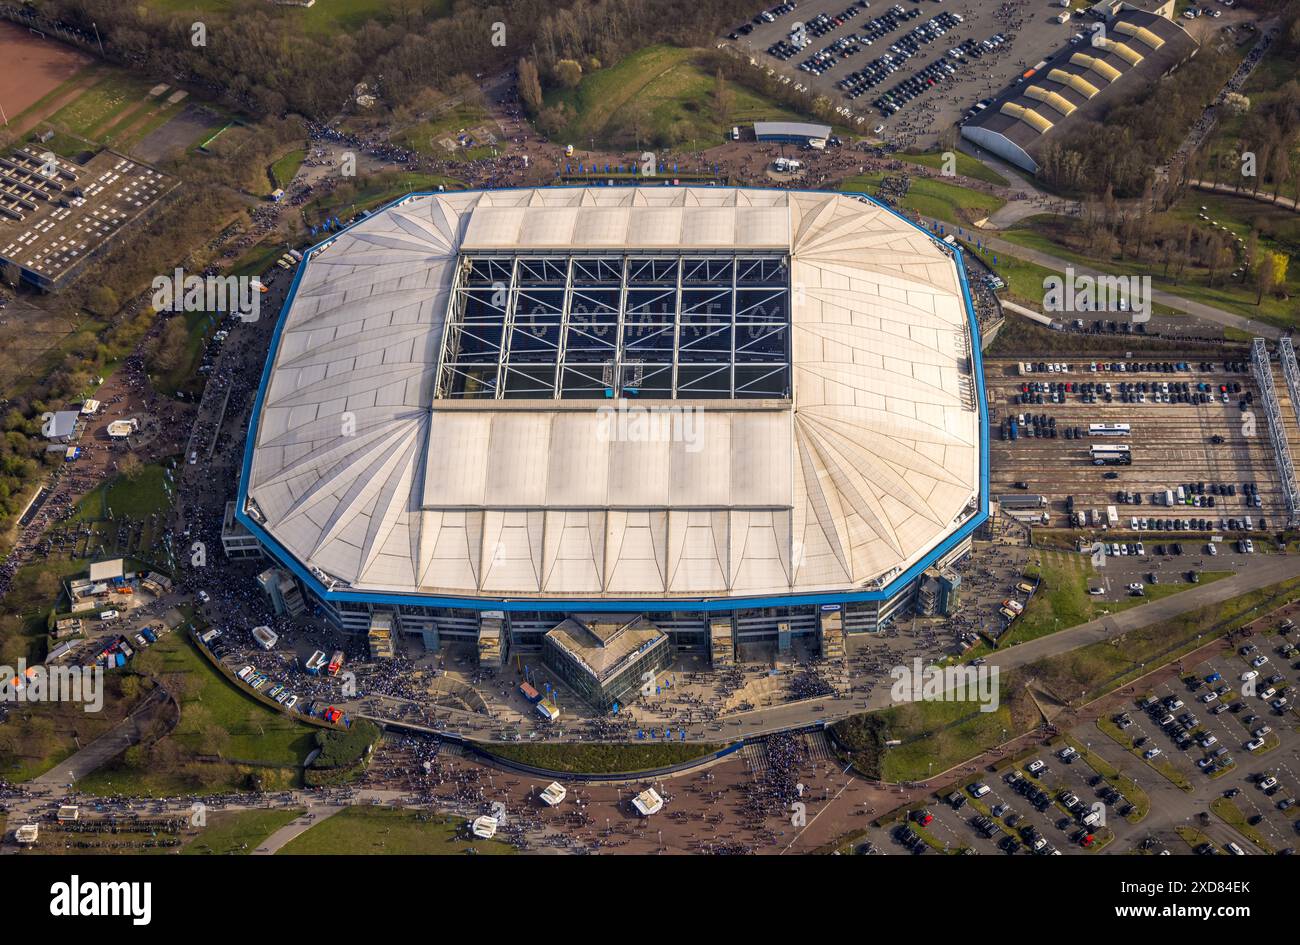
x: 568, y: 72
x: 130, y: 467
x: 530, y: 87
x: 722, y: 100
x: 167, y: 350
x: 102, y: 301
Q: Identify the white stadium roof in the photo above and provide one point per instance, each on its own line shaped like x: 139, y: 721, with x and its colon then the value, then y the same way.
x: 367, y: 474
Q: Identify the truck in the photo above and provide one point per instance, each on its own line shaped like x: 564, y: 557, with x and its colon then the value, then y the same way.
x: 336, y: 663
x: 1014, y: 430
x: 1018, y: 500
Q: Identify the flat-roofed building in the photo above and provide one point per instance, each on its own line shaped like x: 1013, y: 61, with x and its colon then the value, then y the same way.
x: 606, y: 659
x: 55, y: 214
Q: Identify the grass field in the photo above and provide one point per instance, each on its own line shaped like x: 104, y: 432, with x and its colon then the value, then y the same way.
x: 284, y: 169
x: 603, y: 759
x: 673, y: 95
x: 1063, y: 600
x: 381, y: 830
x: 135, y: 498
x: 933, y: 198
x: 938, y: 735
x: 967, y: 166
x: 238, y: 832
x: 96, y: 109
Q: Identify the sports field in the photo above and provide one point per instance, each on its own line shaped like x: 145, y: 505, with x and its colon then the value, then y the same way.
x: 33, y: 68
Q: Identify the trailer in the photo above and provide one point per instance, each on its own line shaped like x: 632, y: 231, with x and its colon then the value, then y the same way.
x: 1112, y: 516
x: 1022, y: 500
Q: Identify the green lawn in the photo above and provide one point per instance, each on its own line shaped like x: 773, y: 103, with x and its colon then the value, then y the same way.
x: 1062, y: 599
x: 238, y: 832
x: 284, y: 169
x: 382, y: 830
x: 967, y: 166
x: 938, y: 735
x: 671, y: 93
x: 603, y: 758
x: 134, y: 498
x: 934, y: 198
x: 185, y: 377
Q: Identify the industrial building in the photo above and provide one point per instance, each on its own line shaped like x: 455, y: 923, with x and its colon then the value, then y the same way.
x: 739, y: 414
x: 56, y: 214
x: 1081, y: 81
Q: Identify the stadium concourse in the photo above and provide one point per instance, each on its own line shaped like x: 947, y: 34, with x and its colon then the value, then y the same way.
x: 443, y: 432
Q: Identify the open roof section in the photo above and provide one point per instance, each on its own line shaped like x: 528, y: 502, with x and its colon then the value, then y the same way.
x: 370, y: 483
x: 646, y: 326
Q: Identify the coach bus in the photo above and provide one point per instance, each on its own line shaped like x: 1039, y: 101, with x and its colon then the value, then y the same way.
x: 1109, y: 429
x: 1110, y: 455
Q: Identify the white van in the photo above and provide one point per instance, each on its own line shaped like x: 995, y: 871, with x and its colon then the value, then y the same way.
x: 108, y: 615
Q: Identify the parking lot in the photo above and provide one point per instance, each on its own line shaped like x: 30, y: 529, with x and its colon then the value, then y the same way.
x: 1187, y: 430
x: 1223, y: 732
x: 914, y: 67
x: 1049, y: 803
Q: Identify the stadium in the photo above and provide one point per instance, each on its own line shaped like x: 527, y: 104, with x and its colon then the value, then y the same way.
x: 723, y: 415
